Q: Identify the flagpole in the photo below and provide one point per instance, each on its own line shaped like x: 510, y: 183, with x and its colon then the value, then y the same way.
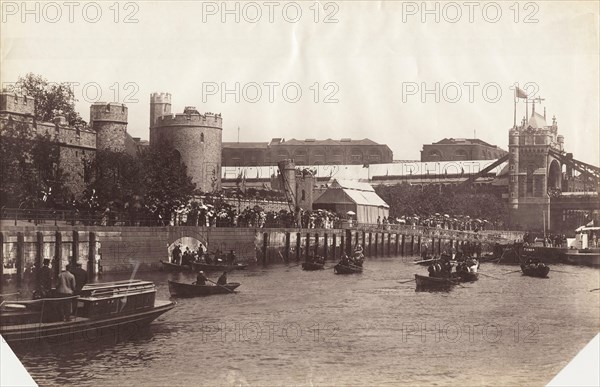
x: 526, y: 110
x: 515, y: 110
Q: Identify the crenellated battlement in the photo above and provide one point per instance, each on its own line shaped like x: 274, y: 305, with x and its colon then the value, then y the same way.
x: 17, y: 104
x: 160, y: 98
x: 112, y: 112
x: 181, y: 119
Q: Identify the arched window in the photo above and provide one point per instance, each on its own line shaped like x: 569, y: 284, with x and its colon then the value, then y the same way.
x: 318, y: 157
x: 356, y: 156
x: 461, y: 154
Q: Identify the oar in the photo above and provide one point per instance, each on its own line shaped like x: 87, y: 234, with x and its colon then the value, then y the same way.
x: 405, y: 282
x: 9, y: 294
x: 566, y: 272
x: 224, y: 287
x: 594, y: 290
x: 491, y: 276
x: 516, y: 271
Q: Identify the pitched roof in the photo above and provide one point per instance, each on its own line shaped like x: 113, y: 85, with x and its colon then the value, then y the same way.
x: 359, y: 193
x: 233, y: 145
x: 329, y: 141
x: 537, y: 121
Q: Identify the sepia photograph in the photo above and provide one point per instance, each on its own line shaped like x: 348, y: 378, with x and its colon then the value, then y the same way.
x: 300, y: 193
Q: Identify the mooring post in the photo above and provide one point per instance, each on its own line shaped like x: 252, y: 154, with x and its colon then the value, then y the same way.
x: 56, y: 265
x: 333, y: 245
x: 389, y: 243
x: 325, y: 245
x: 298, y: 245
x: 364, y: 239
x: 375, y: 243
x: 370, y: 243
x: 418, y: 244
x: 265, y: 246
x: 20, y: 256
x: 1, y: 258
x: 342, y: 245
x: 316, y: 244
x: 307, y: 251
x: 397, y: 244
x: 287, y: 247
x: 75, y: 256
x: 39, y: 249
x: 402, y: 247
x: 91, y: 264
x: 349, y: 244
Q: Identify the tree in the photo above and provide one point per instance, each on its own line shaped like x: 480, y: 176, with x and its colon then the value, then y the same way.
x: 51, y: 99
x: 167, y: 184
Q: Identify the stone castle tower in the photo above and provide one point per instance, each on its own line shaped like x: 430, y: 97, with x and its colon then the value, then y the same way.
x: 197, y: 137
x: 109, y: 120
x: 533, y: 171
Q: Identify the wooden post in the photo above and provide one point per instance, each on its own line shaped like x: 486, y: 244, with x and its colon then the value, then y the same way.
x: 333, y: 245
x: 20, y: 256
x: 349, y: 242
x: 39, y: 249
x: 397, y: 244
x: 357, y: 235
x: 342, y: 245
x: 325, y: 242
x: 91, y: 264
x: 440, y: 246
x: 432, y: 246
x: 56, y: 265
x: 75, y: 256
x: 418, y: 245
x: 403, y: 251
x: 389, y: 243
x: 412, y: 245
x: 265, y: 246
x: 1, y: 258
x: 306, y: 253
x: 370, y: 243
x: 287, y: 247
x: 316, y: 244
x: 364, y: 238
x: 298, y: 245
x: 376, y: 242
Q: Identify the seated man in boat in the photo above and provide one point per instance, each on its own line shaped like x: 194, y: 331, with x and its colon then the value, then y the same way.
x: 222, y: 279
x: 177, y: 255
x: 358, y: 250
x: 320, y: 259
x: 431, y: 270
x: 200, y: 279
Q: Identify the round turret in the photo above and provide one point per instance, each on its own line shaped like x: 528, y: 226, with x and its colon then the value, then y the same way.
x: 160, y: 105
x: 195, y: 136
x: 109, y: 120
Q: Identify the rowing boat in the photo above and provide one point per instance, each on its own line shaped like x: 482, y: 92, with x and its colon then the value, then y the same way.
x: 218, y: 267
x: 537, y: 271
x: 174, y: 267
x: 435, y: 282
x: 311, y: 266
x: 181, y: 289
x: 342, y: 268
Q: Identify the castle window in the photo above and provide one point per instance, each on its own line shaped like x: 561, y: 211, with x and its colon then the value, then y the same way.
x: 76, y: 153
x: 201, y: 137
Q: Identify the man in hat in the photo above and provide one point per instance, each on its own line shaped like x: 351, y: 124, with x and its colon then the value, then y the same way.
x: 65, y: 288
x: 44, y: 277
x: 200, y: 278
x: 222, y: 279
x: 81, y: 277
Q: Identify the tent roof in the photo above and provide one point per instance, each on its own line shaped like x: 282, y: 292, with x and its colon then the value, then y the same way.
x: 365, y: 198
x: 339, y: 195
x: 353, y: 185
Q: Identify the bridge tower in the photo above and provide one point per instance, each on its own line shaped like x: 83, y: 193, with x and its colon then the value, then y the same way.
x: 534, y: 172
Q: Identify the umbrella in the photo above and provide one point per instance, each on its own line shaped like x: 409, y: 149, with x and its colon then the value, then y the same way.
x: 350, y: 213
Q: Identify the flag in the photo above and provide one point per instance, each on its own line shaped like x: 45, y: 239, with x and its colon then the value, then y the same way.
x: 520, y: 93
x: 590, y: 224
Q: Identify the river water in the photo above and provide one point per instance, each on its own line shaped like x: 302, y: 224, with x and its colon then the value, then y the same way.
x: 290, y: 327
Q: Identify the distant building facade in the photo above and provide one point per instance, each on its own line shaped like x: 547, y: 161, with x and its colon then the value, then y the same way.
x: 451, y: 149
x: 306, y: 152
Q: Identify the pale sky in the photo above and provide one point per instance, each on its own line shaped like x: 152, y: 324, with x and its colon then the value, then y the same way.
x: 367, y: 59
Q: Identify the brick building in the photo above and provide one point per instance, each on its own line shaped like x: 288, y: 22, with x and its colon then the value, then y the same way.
x: 450, y: 149
x: 306, y: 152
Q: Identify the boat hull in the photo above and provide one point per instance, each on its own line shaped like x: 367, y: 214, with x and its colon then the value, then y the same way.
x: 312, y: 266
x: 84, y: 329
x: 539, y: 272
x: 434, y: 282
x: 207, y: 267
x: 179, y: 289
x: 345, y: 269
x: 168, y: 266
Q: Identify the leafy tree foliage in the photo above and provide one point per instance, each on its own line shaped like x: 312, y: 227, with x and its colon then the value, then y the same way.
x: 51, y: 99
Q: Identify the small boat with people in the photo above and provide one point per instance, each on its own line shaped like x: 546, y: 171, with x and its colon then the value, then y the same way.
x: 100, y: 309
x: 174, y: 267
x: 180, y: 289
x: 313, y: 263
x: 350, y: 265
x: 197, y: 266
x: 423, y: 281
x: 535, y: 268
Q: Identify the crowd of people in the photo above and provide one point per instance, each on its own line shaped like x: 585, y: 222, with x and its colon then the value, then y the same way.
x: 187, y: 256
x: 356, y: 259
x: 442, y: 267
x: 457, y: 222
x: 549, y: 240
